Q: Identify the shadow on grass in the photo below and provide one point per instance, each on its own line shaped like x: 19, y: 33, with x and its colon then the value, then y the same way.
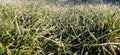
x: 83, y: 2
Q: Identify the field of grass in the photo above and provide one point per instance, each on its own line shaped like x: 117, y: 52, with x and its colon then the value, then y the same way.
x: 39, y: 28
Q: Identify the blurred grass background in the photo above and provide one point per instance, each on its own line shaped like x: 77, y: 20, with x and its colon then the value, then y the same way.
x: 44, y: 28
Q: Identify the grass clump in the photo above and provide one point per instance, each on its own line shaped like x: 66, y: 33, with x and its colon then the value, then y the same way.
x: 39, y: 28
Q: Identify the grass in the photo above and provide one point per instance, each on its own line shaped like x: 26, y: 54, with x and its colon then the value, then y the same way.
x: 36, y: 28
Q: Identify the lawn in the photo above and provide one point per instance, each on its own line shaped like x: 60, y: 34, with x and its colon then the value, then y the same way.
x: 46, y: 28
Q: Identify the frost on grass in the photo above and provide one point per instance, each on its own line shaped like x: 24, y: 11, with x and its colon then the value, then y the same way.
x: 41, y: 28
